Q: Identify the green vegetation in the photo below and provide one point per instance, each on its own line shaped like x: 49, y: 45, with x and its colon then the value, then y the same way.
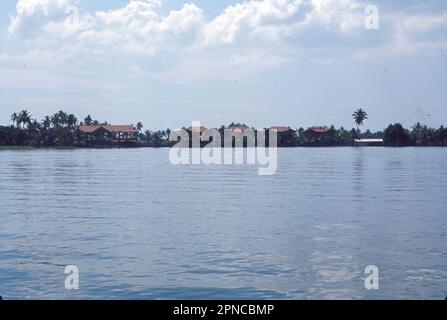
x: 419, y: 135
x: 62, y: 129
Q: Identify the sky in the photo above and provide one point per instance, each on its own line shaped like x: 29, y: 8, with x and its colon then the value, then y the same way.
x: 167, y: 63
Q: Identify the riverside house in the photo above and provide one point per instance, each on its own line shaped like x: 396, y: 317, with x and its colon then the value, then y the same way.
x: 286, y: 135
x: 109, y: 134
x: 238, y: 128
x: 318, y: 136
x: 196, y: 129
x: 199, y: 131
x: 316, y: 131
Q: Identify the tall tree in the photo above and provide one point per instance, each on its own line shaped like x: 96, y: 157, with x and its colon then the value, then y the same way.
x: 395, y: 135
x: 63, y: 118
x: 139, y: 126
x: 59, y: 119
x: 46, y: 123
x: 359, y: 116
x: 416, y: 132
x: 71, y: 121
x: 24, y: 118
x: 417, y: 128
x: 148, y: 135
x: 55, y: 120
x: 88, y: 120
x: 15, y: 119
x: 34, y: 128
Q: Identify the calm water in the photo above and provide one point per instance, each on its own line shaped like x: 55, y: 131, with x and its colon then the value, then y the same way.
x: 139, y: 228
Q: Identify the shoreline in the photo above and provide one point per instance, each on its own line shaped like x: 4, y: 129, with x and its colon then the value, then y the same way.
x: 168, y: 147
x: 64, y: 130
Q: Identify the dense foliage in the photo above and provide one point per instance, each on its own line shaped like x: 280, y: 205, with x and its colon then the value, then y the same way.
x: 60, y: 129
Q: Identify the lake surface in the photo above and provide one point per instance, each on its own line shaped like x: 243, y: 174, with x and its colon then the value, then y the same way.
x: 140, y: 228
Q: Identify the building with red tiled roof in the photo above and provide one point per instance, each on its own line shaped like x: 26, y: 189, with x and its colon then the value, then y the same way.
x: 196, y: 129
x: 110, y: 134
x: 318, y: 129
x: 317, y: 132
x: 286, y: 135
x: 281, y: 129
x: 238, y: 128
x: 110, y: 128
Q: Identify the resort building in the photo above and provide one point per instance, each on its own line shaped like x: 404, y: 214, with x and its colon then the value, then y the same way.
x: 238, y: 128
x: 286, y: 135
x: 281, y: 129
x: 110, y: 134
x: 200, y: 130
x: 196, y: 129
x: 317, y: 131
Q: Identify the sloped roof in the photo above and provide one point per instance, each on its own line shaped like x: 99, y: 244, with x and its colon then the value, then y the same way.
x: 111, y: 128
x: 319, y: 129
x: 196, y: 129
x: 280, y: 129
x: 238, y: 128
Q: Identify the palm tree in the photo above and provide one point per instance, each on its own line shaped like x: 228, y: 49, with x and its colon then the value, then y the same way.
x: 63, y: 118
x: 55, y: 120
x: 46, y: 123
x: 359, y: 117
x: 148, y: 135
x: 156, y: 136
x: 71, y: 121
x: 24, y: 118
x: 88, y: 120
x: 417, y: 128
x: 139, y: 126
x: 416, y: 132
x: 34, y: 127
x: 15, y: 119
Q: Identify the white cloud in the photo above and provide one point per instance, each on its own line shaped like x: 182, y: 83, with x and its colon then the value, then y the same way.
x: 251, y: 18
x: 140, y: 26
x: 253, y: 29
x: 410, y: 34
x: 343, y: 15
x: 30, y: 14
x: 278, y: 19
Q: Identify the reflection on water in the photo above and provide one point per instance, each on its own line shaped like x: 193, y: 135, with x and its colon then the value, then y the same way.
x: 140, y: 229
